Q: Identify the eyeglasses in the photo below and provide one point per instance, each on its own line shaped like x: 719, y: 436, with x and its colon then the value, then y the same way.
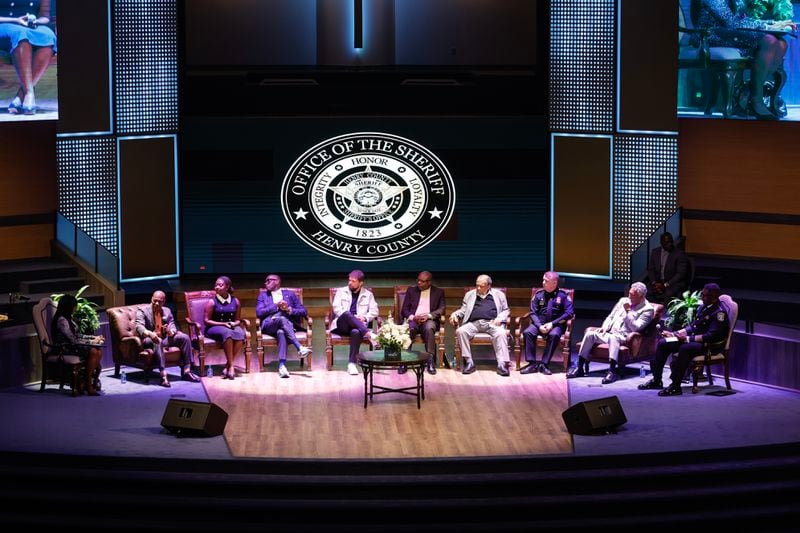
x: 271, y: 279
x: 423, y: 280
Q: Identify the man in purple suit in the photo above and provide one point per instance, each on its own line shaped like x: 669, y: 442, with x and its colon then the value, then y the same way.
x: 423, y: 306
x: 280, y: 312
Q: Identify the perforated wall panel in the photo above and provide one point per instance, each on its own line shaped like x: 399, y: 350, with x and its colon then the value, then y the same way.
x: 582, y: 65
x: 146, y: 66
x: 87, y: 186
x: 645, y: 192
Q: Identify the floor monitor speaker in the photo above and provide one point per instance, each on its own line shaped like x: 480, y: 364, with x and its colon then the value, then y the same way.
x: 603, y: 415
x: 194, y: 419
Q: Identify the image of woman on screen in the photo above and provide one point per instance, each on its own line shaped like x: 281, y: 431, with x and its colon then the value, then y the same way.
x: 760, y: 39
x: 31, y: 45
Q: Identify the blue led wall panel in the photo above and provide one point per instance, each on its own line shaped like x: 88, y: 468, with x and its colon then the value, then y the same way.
x: 146, y: 66
x: 582, y: 65
x: 87, y: 186
x: 645, y: 192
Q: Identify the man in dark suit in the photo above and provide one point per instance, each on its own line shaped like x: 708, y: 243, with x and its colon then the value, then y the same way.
x: 423, y: 306
x: 156, y: 326
x: 667, y: 271
x: 280, y: 312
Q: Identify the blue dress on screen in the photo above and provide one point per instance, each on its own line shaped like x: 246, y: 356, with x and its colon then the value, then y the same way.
x: 225, y: 312
x: 11, y: 33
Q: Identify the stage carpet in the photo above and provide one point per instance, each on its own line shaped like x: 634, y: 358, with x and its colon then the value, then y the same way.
x: 320, y: 414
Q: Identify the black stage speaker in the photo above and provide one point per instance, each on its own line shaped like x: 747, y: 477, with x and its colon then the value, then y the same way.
x: 601, y: 415
x: 194, y: 419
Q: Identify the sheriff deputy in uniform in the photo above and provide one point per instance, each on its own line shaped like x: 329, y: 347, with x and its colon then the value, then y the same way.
x: 708, y: 331
x: 550, y: 310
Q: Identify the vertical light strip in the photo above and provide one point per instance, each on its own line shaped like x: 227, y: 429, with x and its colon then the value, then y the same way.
x: 358, y: 24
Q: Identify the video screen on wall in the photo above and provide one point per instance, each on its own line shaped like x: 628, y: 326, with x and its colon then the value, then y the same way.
x: 28, y: 64
x: 739, y: 59
x: 420, y: 144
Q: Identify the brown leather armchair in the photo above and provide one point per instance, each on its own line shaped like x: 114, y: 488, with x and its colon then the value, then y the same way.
x: 638, y: 346
x: 126, y: 346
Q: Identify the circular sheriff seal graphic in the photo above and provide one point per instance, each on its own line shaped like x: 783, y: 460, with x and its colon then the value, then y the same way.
x: 368, y: 196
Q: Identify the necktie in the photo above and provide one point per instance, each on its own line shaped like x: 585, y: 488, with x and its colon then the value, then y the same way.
x: 159, y: 323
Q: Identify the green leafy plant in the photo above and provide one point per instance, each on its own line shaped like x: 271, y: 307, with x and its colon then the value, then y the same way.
x: 682, y: 310
x: 85, y: 314
x: 767, y: 9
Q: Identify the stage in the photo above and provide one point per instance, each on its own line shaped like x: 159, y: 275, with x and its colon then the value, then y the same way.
x: 319, y: 415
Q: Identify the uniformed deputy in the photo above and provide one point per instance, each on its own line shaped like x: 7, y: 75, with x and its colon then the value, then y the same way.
x: 708, y: 331
x: 550, y: 310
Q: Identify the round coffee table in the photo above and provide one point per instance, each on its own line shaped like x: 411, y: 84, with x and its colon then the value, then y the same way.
x: 411, y: 359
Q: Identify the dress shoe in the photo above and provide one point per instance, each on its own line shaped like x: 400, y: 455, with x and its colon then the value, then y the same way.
x: 469, y: 367
x: 653, y: 384
x: 431, y: 367
x: 188, y: 376
x: 402, y: 369
x: 14, y: 108
x: 576, y: 372
x: 670, y: 391
x: 530, y: 368
x: 544, y: 370
x: 165, y: 383
x: 611, y: 377
x: 503, y: 371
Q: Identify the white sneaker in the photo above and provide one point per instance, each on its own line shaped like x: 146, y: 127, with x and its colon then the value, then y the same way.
x: 303, y: 352
x: 373, y: 341
x: 283, y: 371
x: 352, y: 369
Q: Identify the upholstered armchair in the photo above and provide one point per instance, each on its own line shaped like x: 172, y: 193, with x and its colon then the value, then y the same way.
x: 399, y: 298
x: 638, y: 346
x: 195, y: 316
x: 484, y: 339
x: 332, y: 339
x: 264, y: 341
x: 126, y: 346
x: 524, y: 321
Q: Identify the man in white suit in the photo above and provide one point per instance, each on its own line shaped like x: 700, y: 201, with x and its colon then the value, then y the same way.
x: 354, y: 307
x: 630, y: 314
x: 484, y: 310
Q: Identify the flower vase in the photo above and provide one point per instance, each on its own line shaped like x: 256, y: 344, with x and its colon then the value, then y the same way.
x: 392, y: 353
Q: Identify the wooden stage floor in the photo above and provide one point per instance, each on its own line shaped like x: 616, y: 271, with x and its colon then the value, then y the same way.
x: 320, y: 414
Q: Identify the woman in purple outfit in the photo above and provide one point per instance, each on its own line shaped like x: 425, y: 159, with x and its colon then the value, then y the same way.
x: 223, y: 322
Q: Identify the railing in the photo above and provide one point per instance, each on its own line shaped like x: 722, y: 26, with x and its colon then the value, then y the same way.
x: 92, y: 257
x: 641, y: 255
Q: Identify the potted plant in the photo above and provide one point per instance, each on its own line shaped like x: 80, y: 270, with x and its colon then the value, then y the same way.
x: 682, y: 310
x: 85, y: 314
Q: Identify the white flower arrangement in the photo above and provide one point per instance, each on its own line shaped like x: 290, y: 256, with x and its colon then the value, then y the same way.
x: 392, y: 335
